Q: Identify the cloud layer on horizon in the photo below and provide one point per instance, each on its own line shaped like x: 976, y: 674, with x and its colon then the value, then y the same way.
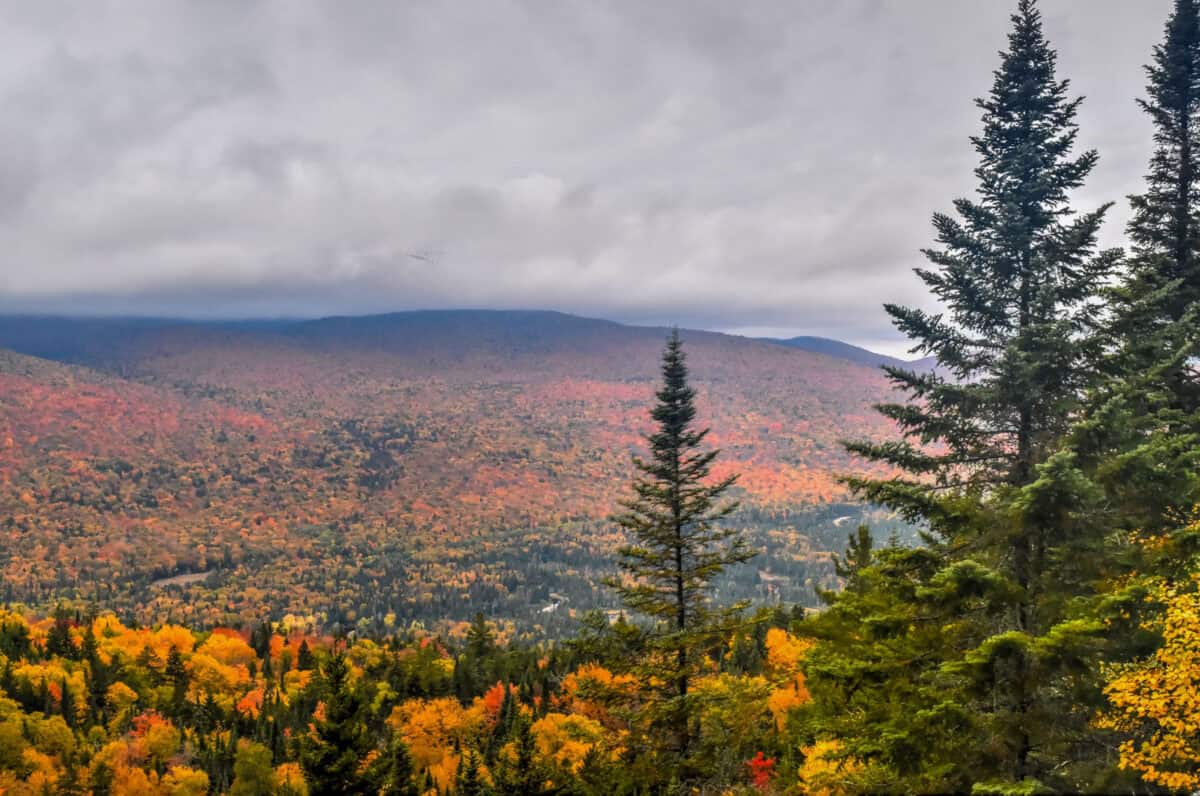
x: 765, y: 167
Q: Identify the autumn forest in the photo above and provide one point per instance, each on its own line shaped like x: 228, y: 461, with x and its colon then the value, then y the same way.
x: 500, y: 552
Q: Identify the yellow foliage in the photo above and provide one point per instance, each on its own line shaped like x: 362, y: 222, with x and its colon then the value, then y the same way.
x: 295, y: 682
x: 135, y: 782
x: 785, y: 651
x: 566, y: 740
x: 821, y: 774
x: 160, y: 742
x: 289, y: 779
x: 1157, y: 702
x: 731, y: 708
x: 43, y: 770
x: 53, y: 675
x: 365, y: 654
x: 579, y: 689
x: 10, y: 785
x: 292, y: 623
x: 120, y: 696
x: 782, y: 700
x: 210, y: 676
x: 168, y: 636
x: 116, y: 640
x: 228, y: 650
x: 183, y: 781
x: 54, y: 737
x: 433, y: 727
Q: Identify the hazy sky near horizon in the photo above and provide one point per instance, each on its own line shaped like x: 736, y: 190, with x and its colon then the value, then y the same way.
x: 762, y: 167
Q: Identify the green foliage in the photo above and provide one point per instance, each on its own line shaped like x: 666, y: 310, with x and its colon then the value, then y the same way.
x: 1163, y: 280
x: 1053, y: 460
x: 399, y: 778
x: 252, y: 772
x: 470, y: 781
x: 679, y: 546
x: 332, y: 757
x: 975, y: 660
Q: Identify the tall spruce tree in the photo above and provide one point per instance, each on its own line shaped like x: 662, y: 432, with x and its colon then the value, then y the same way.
x: 1018, y: 275
x: 1139, y: 442
x: 1164, y: 269
x: 678, y: 546
x: 1144, y: 420
x: 990, y: 645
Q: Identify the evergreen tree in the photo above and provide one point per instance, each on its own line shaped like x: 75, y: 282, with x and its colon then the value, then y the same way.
x: 469, y: 781
x: 176, y: 674
x: 678, y: 546
x: 260, y: 639
x: 58, y: 640
x: 475, y: 670
x: 1018, y: 276
x: 67, y: 703
x: 1144, y: 421
x: 598, y: 776
x: 1140, y: 440
x: 14, y: 641
x: 398, y: 781
x: 992, y: 642
x: 874, y: 674
x: 102, y: 778
x: 857, y: 558
x: 481, y: 640
x: 304, y: 657
x: 149, y: 660
x: 332, y: 754
x: 96, y: 676
x: 1164, y: 270
x: 521, y: 775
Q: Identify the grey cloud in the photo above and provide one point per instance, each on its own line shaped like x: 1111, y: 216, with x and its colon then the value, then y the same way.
x: 756, y: 166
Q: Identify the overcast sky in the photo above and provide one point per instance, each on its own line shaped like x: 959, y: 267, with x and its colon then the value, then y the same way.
x: 765, y: 167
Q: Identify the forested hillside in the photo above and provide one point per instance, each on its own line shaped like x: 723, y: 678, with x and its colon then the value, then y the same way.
x: 241, y: 558
x: 411, y: 466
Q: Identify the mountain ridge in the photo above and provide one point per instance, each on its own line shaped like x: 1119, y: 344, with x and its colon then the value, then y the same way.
x: 84, y: 340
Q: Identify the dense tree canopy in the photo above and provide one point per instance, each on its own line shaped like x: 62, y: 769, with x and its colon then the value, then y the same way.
x: 1040, y: 636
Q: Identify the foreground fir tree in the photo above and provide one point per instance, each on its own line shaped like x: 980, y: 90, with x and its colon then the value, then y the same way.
x: 1144, y: 421
x: 963, y: 665
x: 678, y: 546
x: 332, y: 755
x: 1163, y: 280
x: 1141, y: 439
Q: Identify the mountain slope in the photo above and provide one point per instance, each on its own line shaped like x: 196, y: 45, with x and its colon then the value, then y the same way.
x: 417, y: 464
x: 853, y: 353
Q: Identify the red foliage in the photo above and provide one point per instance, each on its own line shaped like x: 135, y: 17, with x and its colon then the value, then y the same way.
x: 762, y: 768
x: 493, y: 700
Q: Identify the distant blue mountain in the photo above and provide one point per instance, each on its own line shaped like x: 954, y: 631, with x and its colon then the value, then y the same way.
x: 105, y: 342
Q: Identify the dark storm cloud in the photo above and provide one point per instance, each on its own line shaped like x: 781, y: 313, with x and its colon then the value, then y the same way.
x: 761, y: 166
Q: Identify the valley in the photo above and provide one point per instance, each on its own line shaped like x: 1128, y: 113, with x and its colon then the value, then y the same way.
x: 376, y: 471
